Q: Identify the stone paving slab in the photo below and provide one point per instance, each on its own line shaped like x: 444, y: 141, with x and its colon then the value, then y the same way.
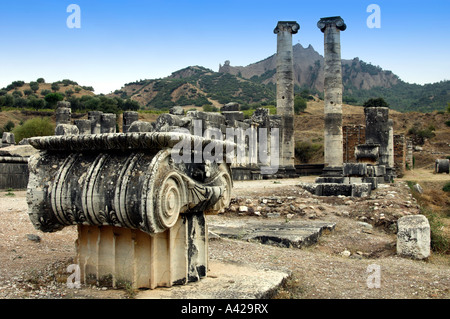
x: 294, y: 234
x: 224, y: 281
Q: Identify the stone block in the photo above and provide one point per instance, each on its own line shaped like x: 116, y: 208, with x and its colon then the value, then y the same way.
x: 367, y: 153
x: 108, y: 123
x: 8, y: 138
x: 442, y: 166
x: 84, y: 126
x: 233, y: 116
x: 128, y: 118
x: 413, y: 237
x: 352, y: 180
x: 66, y: 129
x: 333, y: 189
x: 361, y: 190
x: 141, y: 126
x: 379, y: 170
x: 371, y: 180
x: 330, y: 179
x: 355, y: 169
x: 176, y: 110
x: 232, y: 106
x: 94, y: 117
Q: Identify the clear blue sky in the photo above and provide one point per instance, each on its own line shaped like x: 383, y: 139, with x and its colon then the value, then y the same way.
x: 124, y: 41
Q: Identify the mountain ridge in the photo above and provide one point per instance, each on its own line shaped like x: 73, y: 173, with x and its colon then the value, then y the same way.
x: 256, y: 83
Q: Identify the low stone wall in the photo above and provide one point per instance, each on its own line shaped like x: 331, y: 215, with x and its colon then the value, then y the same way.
x: 13, y: 172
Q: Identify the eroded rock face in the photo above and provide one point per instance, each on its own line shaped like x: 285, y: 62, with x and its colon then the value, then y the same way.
x: 413, y: 237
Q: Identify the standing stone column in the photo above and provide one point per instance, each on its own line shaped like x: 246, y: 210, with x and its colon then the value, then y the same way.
x: 377, y: 130
x: 94, y: 117
x: 108, y: 123
x: 285, y: 92
x: 390, y: 169
x: 84, y: 126
x: 63, y: 113
x: 333, y: 147
x: 128, y: 118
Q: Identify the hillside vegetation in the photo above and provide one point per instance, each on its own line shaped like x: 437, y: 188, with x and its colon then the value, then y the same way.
x: 38, y: 95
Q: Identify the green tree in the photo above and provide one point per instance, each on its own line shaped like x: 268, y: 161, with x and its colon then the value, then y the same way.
x: 17, y: 94
x: 53, y: 98
x: 55, y: 87
x: 8, y: 127
x: 40, y: 80
x: 36, y: 103
x: 299, y: 104
x: 69, y: 92
x: 45, y: 92
x: 34, y: 127
x: 27, y: 92
x: 378, y: 102
x: 34, y: 86
x: 7, y: 100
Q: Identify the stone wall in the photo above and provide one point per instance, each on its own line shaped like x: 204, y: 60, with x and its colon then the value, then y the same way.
x: 353, y: 135
x: 248, y: 162
x: 13, y: 172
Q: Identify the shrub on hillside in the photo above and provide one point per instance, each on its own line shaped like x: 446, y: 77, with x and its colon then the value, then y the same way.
x: 446, y: 187
x: 305, y: 151
x: 34, y: 127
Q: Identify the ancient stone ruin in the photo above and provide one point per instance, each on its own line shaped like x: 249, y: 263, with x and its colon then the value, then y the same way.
x: 140, y: 215
x: 333, y: 147
x: 285, y: 92
x: 442, y: 166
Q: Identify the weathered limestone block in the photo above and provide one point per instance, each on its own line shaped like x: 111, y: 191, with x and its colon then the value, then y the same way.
x: 367, y: 153
x: 230, y: 107
x: 8, y: 138
x: 442, y: 166
x: 170, y: 122
x: 95, y: 118
x: 128, y: 118
x: 176, y: 110
x: 377, y: 131
x: 413, y: 237
x: 141, y: 127
x: 84, y: 126
x: 66, y: 129
x: 355, y: 169
x: 63, y: 113
x: 232, y: 116
x: 361, y: 189
x: 139, y: 211
x: 108, y: 123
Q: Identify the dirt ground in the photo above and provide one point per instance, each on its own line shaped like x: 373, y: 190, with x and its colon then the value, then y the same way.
x: 340, y: 265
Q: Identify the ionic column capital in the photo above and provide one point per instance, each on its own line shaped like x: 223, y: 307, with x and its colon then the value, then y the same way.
x: 291, y: 26
x: 337, y: 22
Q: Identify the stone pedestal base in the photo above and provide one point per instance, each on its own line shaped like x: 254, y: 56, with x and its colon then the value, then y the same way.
x: 117, y: 257
x: 332, y: 171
